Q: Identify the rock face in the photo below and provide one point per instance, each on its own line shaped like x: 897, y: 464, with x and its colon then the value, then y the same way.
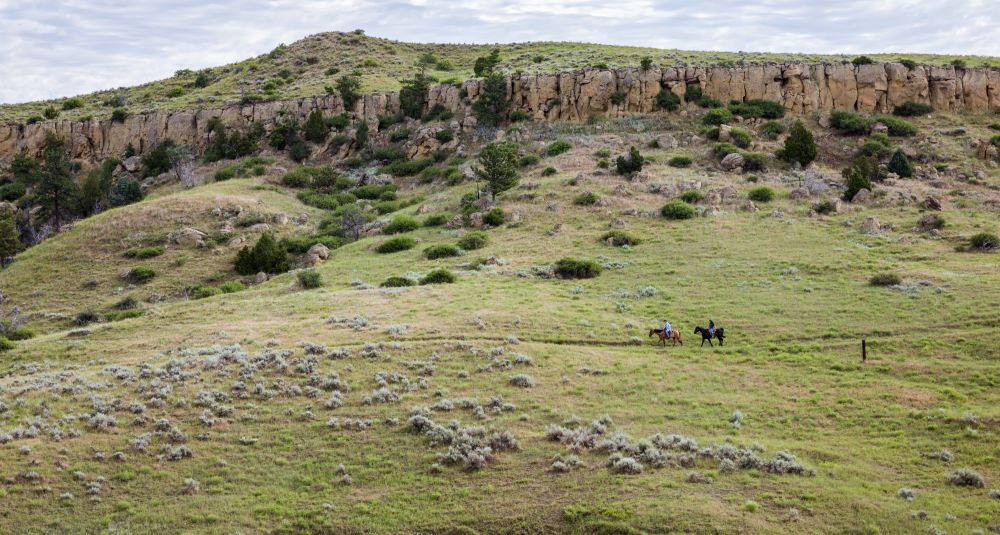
x: 733, y: 161
x: 571, y: 96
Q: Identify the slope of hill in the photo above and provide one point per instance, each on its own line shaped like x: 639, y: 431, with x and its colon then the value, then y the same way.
x: 312, y: 65
x: 352, y: 408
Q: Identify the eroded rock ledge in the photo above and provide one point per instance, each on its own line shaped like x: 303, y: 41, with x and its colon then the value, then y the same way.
x: 575, y: 96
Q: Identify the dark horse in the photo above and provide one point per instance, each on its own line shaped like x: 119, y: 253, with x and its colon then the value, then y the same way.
x: 705, y: 336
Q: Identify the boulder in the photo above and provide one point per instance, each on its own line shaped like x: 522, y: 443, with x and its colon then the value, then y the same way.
x: 928, y: 222
x: 279, y: 219
x: 871, y: 225
x: 132, y: 164
x: 799, y: 193
x: 932, y: 203
x: 880, y: 128
x: 320, y: 250
x: 666, y: 141
x: 733, y: 161
x: 725, y: 133
x: 311, y: 260
x: 188, y: 237
x: 476, y: 219
x: 260, y: 227
x: 238, y: 241
x: 862, y: 196
x: 302, y: 219
x: 749, y: 206
x: 455, y: 222
x: 260, y: 278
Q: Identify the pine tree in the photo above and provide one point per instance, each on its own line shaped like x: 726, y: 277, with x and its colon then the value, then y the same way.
x: 498, y: 167
x: 800, y: 145
x: 900, y: 164
x: 54, y: 191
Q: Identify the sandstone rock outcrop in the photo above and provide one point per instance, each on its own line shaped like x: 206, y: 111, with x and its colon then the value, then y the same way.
x: 572, y: 96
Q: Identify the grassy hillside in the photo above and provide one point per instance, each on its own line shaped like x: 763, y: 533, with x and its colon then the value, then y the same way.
x: 791, y: 291
x: 307, y: 67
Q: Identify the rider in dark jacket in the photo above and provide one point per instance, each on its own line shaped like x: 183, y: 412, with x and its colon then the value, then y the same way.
x: 711, y: 328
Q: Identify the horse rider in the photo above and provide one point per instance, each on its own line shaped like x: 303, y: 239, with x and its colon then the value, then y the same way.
x: 666, y: 328
x: 711, y: 328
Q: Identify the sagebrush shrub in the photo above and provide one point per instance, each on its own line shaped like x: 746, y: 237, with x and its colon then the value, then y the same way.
x: 522, y: 381
x: 397, y: 282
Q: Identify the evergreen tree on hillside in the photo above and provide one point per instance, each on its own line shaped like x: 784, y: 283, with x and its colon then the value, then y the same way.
x: 900, y: 164
x: 492, y: 105
x: 413, y: 94
x: 266, y: 255
x: 54, y: 190
x: 315, y: 129
x: 800, y: 145
x: 10, y: 244
x: 498, y: 167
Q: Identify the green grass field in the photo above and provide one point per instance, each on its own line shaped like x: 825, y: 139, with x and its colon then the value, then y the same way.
x: 791, y: 291
x: 311, y: 65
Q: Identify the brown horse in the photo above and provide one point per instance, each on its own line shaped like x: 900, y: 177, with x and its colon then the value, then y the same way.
x: 674, y: 336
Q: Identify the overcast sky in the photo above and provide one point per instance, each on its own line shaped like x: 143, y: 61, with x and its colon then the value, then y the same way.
x: 57, y: 48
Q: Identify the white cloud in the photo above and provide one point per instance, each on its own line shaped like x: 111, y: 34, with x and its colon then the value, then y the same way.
x: 54, y: 48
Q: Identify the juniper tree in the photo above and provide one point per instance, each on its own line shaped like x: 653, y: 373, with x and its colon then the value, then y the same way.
x: 492, y: 104
x: 799, y: 146
x: 315, y: 129
x: 900, y: 164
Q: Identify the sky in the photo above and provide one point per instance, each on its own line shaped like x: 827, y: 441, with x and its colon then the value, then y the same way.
x: 59, y: 48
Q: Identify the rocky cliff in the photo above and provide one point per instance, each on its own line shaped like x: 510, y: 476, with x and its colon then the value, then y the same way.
x: 575, y: 96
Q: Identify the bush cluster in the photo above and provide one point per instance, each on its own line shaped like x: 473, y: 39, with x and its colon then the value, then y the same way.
x: 758, y: 108
x: 574, y: 268
x: 393, y: 245
x: 676, y: 210
x: 473, y: 240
